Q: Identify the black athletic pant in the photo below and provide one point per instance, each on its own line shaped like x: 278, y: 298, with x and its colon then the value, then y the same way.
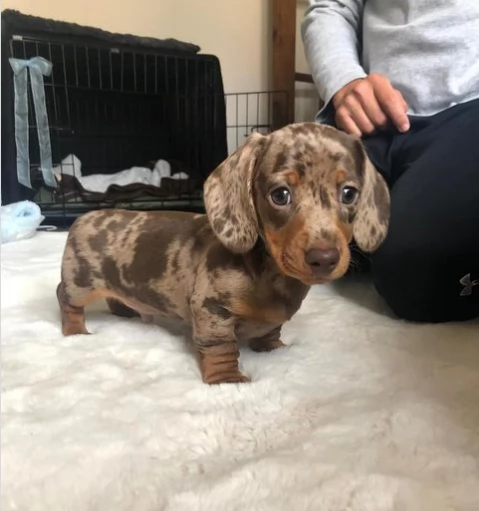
x: 428, y: 267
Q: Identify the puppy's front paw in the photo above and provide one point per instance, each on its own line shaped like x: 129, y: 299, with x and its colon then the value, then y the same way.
x: 234, y: 377
x: 74, y: 329
x: 218, y: 366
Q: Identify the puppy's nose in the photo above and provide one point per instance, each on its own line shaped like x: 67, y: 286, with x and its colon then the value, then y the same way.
x: 322, y: 261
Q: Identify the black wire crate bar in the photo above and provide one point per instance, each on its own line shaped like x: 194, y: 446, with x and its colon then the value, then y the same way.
x: 92, y: 119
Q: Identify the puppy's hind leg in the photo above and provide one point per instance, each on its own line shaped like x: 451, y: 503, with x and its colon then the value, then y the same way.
x: 73, y: 317
x: 120, y: 309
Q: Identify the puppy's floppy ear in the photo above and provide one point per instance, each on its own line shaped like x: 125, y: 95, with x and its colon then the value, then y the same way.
x: 372, y: 218
x: 228, y: 197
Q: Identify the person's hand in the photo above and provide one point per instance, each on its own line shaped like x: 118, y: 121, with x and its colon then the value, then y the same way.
x: 369, y: 104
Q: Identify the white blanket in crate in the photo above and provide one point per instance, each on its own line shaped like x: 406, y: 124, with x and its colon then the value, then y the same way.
x: 100, y: 183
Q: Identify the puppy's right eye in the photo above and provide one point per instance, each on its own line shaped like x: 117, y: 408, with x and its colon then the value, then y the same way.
x: 281, y: 196
x: 348, y: 195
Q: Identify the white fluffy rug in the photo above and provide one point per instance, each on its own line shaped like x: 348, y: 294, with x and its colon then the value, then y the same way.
x: 359, y: 412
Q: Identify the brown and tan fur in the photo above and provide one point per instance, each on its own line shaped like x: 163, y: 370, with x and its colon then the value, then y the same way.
x: 239, y: 272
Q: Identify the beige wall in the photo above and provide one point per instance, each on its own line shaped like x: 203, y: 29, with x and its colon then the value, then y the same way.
x: 238, y: 33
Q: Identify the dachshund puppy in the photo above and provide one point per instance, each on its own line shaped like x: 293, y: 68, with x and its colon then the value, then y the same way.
x: 280, y: 214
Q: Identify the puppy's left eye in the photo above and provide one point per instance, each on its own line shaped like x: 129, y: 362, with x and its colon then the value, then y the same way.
x: 281, y: 196
x: 349, y: 194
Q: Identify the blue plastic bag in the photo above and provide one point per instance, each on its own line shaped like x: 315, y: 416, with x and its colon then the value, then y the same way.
x: 20, y: 220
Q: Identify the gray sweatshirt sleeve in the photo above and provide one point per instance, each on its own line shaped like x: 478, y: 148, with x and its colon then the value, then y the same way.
x: 330, y: 33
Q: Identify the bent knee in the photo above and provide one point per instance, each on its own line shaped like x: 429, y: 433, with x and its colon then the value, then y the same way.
x: 422, y: 288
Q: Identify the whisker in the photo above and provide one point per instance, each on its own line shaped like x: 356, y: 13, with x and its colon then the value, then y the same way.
x: 356, y: 250
x: 354, y: 264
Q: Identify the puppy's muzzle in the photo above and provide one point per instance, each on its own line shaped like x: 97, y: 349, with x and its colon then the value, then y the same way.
x: 322, y: 261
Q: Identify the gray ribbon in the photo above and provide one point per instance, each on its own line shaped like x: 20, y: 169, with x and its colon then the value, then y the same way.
x: 38, y: 67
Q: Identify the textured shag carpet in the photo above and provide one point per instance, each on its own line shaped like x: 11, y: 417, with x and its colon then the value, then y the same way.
x: 360, y: 412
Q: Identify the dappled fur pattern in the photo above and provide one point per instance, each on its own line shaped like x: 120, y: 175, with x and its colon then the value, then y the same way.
x: 241, y: 271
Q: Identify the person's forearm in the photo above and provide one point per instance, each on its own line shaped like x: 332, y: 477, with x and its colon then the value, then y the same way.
x: 330, y: 32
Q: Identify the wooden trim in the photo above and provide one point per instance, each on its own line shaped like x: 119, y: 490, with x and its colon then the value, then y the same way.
x: 303, y: 78
x: 284, y: 50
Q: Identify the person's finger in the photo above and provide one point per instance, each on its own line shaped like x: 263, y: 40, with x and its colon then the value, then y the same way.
x: 403, y: 101
x: 356, y: 112
x: 392, y: 104
x: 364, y: 93
x: 344, y: 121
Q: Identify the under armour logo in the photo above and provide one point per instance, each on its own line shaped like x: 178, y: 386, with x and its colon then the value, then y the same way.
x: 468, y: 284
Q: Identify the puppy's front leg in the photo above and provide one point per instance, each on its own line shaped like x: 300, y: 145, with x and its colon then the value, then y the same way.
x: 269, y: 342
x: 219, y: 363
x: 215, y: 340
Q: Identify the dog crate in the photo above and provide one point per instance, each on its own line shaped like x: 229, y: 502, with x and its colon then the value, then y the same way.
x: 127, y: 121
